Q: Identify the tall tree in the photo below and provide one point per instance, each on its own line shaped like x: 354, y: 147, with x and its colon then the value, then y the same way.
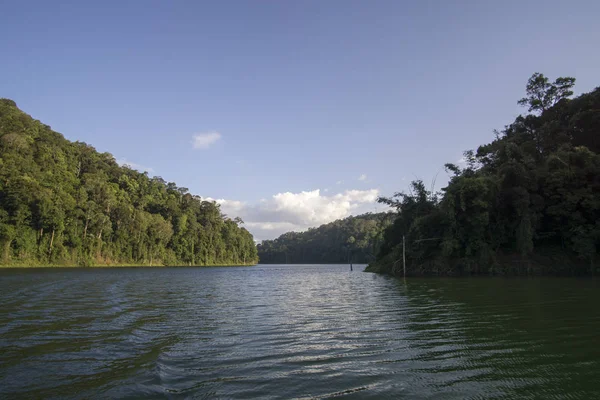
x: 541, y: 94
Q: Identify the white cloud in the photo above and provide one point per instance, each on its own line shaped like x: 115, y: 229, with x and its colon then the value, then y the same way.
x: 289, y: 211
x: 362, y: 177
x: 339, y: 182
x: 205, y: 140
x: 270, y: 226
x: 233, y: 205
x: 123, y: 162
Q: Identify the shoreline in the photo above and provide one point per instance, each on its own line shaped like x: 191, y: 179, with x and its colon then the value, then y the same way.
x: 58, y: 266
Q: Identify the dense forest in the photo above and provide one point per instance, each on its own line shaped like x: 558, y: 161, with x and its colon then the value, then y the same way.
x: 526, y: 203
x: 64, y: 203
x: 353, y: 239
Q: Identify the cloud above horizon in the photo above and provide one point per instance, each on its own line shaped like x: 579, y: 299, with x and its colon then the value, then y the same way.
x: 205, y: 140
x: 289, y: 211
x: 123, y: 162
x: 362, y: 177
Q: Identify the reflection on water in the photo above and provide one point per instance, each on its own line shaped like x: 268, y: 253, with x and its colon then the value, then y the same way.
x: 294, y: 332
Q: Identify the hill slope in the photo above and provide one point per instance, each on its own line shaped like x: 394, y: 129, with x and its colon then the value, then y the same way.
x: 528, y: 202
x: 353, y: 238
x: 64, y: 203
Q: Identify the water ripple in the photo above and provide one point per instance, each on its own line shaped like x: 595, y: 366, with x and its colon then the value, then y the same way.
x: 301, y: 332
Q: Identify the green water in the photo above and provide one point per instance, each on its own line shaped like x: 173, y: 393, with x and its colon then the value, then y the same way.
x: 294, y: 332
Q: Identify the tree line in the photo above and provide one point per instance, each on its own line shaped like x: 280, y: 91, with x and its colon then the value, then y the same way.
x: 64, y: 203
x: 352, y: 239
x: 526, y: 203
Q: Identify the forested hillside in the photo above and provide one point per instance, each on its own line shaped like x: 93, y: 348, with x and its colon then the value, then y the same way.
x: 63, y: 203
x: 355, y: 239
x: 528, y: 202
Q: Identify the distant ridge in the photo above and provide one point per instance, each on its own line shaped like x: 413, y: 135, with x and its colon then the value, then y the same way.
x: 355, y: 238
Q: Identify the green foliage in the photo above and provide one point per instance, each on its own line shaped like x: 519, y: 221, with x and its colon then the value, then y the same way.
x: 533, y: 191
x: 355, y: 239
x: 65, y: 203
x: 541, y: 94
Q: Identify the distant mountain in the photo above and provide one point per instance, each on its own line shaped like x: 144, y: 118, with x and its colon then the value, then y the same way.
x: 356, y: 238
x: 64, y: 203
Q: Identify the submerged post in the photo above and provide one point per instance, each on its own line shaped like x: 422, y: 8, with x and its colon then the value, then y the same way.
x: 350, y: 258
x: 404, y: 255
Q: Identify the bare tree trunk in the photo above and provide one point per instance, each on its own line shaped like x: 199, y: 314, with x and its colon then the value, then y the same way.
x: 51, y: 242
x: 86, y: 226
x: 99, y: 249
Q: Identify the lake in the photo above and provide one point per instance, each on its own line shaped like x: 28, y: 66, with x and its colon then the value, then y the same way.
x: 302, y: 331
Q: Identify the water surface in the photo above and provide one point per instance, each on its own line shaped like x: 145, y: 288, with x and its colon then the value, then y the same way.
x: 274, y: 331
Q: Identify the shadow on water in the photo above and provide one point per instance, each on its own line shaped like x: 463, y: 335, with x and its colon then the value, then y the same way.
x: 506, y: 338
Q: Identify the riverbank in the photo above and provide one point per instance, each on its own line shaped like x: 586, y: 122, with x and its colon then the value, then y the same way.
x: 547, y: 261
x: 118, y: 265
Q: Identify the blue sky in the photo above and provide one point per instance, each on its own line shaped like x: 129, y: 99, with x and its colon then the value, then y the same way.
x: 295, y: 96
